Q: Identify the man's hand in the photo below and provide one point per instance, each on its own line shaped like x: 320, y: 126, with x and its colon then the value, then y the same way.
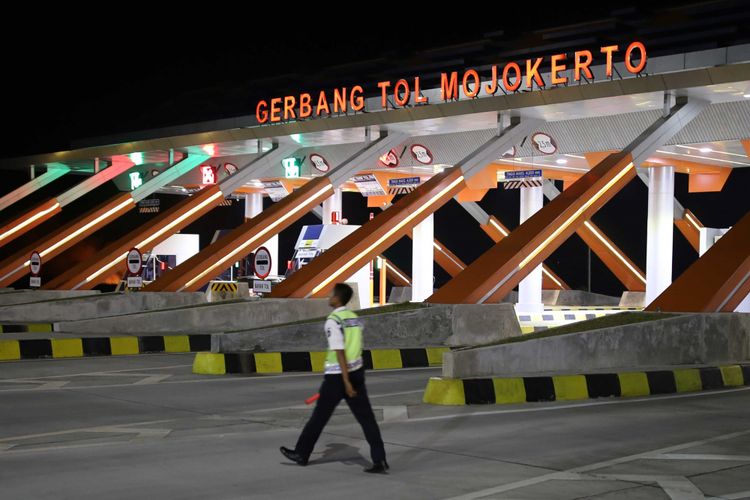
x: 350, y: 392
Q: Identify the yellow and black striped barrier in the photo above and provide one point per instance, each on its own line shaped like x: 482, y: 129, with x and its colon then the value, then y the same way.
x: 311, y: 361
x: 27, y: 327
x: 224, y: 286
x: 445, y: 391
x: 11, y: 350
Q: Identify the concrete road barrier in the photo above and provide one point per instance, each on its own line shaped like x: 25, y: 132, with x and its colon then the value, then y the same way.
x: 513, y: 390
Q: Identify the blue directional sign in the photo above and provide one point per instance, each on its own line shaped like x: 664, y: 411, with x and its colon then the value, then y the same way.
x: 523, y: 174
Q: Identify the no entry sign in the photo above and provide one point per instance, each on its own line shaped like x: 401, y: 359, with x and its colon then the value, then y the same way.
x: 35, y: 263
x: 262, y: 263
x: 133, y: 261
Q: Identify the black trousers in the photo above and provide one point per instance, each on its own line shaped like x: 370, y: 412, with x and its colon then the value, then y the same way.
x: 331, y: 393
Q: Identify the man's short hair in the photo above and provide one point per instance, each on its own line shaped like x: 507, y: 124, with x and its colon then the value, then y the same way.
x: 344, y: 292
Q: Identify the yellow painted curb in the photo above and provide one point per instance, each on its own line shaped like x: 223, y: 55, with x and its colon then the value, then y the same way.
x: 122, y: 346
x: 9, y: 350
x: 39, y: 328
x: 435, y: 355
x: 386, y: 358
x: 688, y: 380
x: 509, y: 390
x: 444, y: 391
x: 176, y: 343
x: 67, y: 348
x: 209, y: 363
x: 268, y: 362
x: 732, y: 376
x: 318, y: 360
x: 633, y: 384
x: 570, y: 387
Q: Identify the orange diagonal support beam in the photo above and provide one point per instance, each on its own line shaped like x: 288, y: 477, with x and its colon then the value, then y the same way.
x: 15, y: 266
x: 354, y: 251
x: 690, y: 227
x: 497, y: 231
x: 494, y: 274
x: 718, y: 281
x: 91, y: 272
x: 29, y: 220
x: 212, y: 260
x: 395, y: 275
x: 446, y: 259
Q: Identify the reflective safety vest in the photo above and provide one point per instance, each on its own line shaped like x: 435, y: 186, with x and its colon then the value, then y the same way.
x: 352, y: 328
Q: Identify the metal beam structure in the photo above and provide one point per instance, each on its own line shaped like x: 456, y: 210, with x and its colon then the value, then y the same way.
x: 350, y: 254
x: 494, y: 274
x: 47, y: 209
x: 624, y: 269
x: 496, y: 230
x: 192, y: 274
x: 54, y: 172
x: 90, y: 273
x: 717, y: 282
x: 59, y: 240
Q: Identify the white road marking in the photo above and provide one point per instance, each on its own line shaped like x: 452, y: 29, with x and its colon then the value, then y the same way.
x: 152, y: 379
x: 80, y: 429
x: 702, y: 456
x: 223, y: 379
x: 100, y: 372
x: 594, y: 466
x: 732, y: 496
x: 677, y: 487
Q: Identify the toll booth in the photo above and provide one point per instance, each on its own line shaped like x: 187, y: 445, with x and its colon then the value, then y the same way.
x: 314, y: 240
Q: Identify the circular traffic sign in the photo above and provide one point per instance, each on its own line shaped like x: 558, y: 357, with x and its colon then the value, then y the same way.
x: 262, y: 263
x: 320, y: 163
x: 35, y: 263
x: 133, y: 261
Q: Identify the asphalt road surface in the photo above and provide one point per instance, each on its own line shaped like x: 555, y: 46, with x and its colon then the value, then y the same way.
x: 145, y: 427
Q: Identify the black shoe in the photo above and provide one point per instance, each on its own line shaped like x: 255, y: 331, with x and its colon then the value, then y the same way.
x: 378, y: 468
x: 293, y: 456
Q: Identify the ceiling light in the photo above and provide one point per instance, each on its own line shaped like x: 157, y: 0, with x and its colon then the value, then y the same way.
x: 705, y: 150
x: 561, y: 161
x: 746, y: 96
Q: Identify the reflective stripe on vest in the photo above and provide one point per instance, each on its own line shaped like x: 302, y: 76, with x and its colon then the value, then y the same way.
x: 352, y: 328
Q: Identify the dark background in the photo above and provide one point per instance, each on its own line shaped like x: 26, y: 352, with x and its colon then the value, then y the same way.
x: 67, y: 79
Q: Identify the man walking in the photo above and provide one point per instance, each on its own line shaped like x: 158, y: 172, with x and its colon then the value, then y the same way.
x: 344, y: 379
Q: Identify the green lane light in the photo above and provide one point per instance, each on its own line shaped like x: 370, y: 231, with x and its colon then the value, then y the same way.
x: 135, y: 180
x: 136, y: 158
x: 291, y: 167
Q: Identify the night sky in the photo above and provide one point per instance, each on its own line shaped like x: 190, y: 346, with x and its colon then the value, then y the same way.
x: 132, y: 72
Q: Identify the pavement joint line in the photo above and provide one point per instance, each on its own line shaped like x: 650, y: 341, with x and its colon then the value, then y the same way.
x: 597, y: 465
x: 218, y: 379
x: 583, y: 405
x: 101, y: 372
x: 702, y: 456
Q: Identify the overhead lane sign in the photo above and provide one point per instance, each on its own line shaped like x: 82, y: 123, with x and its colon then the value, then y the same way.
x: 507, y: 78
x: 517, y: 179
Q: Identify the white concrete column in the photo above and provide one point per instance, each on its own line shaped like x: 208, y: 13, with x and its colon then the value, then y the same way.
x: 422, y: 259
x: 744, y: 306
x: 659, y: 231
x: 530, y: 288
x: 332, y: 204
x: 254, y: 206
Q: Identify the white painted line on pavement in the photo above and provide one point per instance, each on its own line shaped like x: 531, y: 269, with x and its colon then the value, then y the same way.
x: 594, y: 466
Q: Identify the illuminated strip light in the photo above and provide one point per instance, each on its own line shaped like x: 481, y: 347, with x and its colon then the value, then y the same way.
x: 258, y: 236
x: 744, y: 164
x: 575, y: 215
x: 499, y: 227
x: 72, y: 235
x: 155, y: 235
x: 28, y: 221
x: 393, y: 269
x: 387, y: 235
x: 692, y: 220
x: 612, y: 249
x: 728, y: 153
x: 458, y: 264
x: 552, y: 277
